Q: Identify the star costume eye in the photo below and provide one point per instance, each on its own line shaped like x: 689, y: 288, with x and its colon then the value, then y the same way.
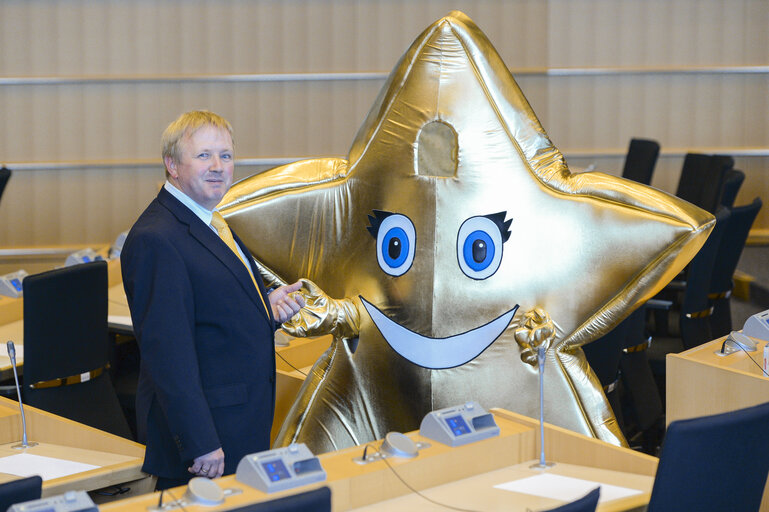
x: 479, y: 244
x: 395, y: 241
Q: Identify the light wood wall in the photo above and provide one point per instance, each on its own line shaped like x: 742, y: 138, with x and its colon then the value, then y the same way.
x: 87, y: 86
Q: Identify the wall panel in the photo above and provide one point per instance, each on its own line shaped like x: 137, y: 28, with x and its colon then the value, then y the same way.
x: 596, y: 72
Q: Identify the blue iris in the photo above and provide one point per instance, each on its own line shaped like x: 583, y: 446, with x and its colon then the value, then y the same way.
x: 395, y: 247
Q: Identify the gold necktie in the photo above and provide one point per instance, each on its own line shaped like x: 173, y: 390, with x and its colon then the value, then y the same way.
x: 218, y: 222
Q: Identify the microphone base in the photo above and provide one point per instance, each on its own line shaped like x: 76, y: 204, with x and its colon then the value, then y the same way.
x: 539, y: 465
x: 21, y: 446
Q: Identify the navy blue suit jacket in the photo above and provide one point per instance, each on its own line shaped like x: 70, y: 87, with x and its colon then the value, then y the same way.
x: 207, y: 375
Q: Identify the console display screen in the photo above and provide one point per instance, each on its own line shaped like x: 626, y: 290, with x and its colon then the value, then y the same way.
x: 276, y: 470
x: 457, y: 425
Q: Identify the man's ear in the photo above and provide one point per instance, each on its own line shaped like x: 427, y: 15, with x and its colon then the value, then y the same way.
x: 171, y: 167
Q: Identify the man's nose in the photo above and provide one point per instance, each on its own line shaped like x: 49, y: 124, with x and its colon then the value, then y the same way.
x: 216, y: 163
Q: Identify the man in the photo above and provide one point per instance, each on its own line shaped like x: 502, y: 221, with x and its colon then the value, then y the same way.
x: 202, y: 317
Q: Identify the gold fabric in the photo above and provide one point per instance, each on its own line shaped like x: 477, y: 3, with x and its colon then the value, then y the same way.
x: 499, y: 247
x: 218, y: 222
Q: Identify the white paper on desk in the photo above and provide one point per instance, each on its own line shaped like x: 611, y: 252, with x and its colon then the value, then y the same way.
x: 19, y: 350
x: 120, y: 320
x: 565, y: 488
x: 25, y: 464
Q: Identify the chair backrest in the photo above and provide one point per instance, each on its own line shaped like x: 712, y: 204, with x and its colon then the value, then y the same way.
x: 702, y: 179
x: 587, y: 503
x: 695, y: 306
x: 5, y: 175
x: 604, y: 354
x: 19, y: 491
x: 640, y: 160
x: 317, y: 500
x: 715, y: 462
x: 732, y: 183
x: 727, y: 257
x: 66, y: 335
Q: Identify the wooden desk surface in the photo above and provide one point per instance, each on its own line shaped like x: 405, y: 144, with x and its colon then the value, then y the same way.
x: 701, y: 382
x: 447, y: 473
x: 120, y: 460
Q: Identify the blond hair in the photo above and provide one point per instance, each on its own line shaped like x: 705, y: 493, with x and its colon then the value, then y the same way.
x: 185, y: 126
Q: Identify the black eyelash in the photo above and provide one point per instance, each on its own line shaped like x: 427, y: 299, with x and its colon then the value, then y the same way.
x: 502, y: 224
x: 376, y: 221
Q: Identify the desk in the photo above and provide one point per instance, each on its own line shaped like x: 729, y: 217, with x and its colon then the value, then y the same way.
x: 120, y: 459
x: 446, y: 474
x: 699, y: 383
x: 293, y: 361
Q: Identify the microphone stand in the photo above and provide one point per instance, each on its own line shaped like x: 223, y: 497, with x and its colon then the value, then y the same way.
x: 543, y: 464
x: 24, y: 444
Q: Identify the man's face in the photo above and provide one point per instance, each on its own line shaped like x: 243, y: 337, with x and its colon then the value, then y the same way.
x: 204, y: 170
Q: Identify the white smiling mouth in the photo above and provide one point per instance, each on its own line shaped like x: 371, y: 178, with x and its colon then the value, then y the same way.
x: 438, y: 353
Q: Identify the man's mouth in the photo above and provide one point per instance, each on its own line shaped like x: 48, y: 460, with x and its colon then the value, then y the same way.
x: 438, y: 353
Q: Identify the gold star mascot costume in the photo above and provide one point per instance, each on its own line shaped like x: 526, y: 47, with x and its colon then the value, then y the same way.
x: 451, y: 232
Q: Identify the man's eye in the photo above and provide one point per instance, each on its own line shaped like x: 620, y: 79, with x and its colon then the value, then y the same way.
x: 226, y: 157
x: 203, y: 155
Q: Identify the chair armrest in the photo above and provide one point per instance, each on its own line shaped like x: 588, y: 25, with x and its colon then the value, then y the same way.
x: 659, y: 304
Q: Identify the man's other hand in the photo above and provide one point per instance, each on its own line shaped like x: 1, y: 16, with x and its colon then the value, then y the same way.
x: 210, y: 465
x: 285, y: 303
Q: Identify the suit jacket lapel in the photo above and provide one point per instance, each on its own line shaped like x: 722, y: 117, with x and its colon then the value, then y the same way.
x: 211, y: 241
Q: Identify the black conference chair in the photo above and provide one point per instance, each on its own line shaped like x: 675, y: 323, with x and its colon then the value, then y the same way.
x: 702, y: 179
x: 19, y: 491
x: 604, y: 355
x: 318, y: 500
x: 641, y: 400
x: 587, y: 503
x: 640, y: 160
x: 5, y: 175
x: 66, y: 347
x: 732, y: 183
x: 715, y: 462
x: 727, y: 257
x: 692, y: 319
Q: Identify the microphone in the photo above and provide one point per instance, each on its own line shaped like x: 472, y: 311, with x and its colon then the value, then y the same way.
x: 24, y: 444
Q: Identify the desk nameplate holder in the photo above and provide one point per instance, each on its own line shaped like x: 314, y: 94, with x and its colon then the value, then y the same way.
x: 70, y: 501
x: 459, y: 425
x: 280, y: 469
x: 10, y: 284
x: 757, y: 326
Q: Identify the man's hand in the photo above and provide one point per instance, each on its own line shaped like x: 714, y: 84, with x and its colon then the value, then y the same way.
x: 285, y: 303
x: 210, y: 465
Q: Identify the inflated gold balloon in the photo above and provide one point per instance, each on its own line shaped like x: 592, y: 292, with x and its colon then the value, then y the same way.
x: 452, y: 217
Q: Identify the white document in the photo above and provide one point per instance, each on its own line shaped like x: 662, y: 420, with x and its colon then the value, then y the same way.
x: 25, y: 464
x: 19, y: 350
x: 565, y: 488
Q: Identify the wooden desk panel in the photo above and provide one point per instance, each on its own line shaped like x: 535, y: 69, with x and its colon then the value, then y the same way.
x: 120, y: 459
x: 700, y: 383
x: 442, y: 471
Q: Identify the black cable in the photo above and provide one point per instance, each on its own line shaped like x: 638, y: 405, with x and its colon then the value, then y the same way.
x: 176, y: 501
x: 419, y: 493
x: 291, y: 365
x: 760, y: 367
